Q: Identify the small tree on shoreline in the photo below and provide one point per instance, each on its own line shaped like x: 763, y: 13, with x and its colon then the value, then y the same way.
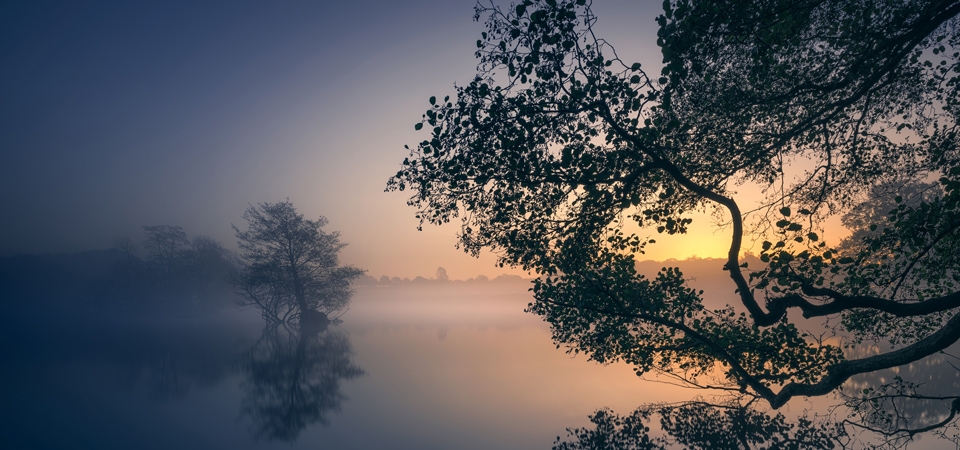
x: 290, y: 265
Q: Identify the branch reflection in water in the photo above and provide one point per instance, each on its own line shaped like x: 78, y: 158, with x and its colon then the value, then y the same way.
x: 905, y: 402
x: 734, y: 423
x: 887, y: 409
x: 293, y: 379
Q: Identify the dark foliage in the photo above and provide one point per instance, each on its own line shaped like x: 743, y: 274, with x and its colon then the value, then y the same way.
x: 561, y: 157
x: 699, y: 425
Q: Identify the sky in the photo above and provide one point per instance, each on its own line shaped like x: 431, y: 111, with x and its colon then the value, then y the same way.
x: 116, y: 115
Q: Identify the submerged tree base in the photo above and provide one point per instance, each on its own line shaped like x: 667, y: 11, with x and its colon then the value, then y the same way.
x: 312, y: 320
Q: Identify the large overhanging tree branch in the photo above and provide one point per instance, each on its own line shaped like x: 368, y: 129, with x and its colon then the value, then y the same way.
x: 558, y: 149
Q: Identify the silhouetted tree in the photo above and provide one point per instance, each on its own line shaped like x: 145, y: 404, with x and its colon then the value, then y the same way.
x: 198, y: 269
x: 131, y: 273
x: 291, y: 266
x: 165, y: 245
x: 211, y: 266
x: 127, y: 247
x: 558, y: 150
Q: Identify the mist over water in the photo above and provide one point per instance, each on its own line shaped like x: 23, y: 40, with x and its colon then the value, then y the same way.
x: 434, y: 365
x: 422, y: 364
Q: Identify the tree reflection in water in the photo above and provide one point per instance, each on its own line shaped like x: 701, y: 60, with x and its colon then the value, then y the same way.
x: 293, y: 380
x: 702, y: 425
x: 899, y: 403
x: 880, y: 410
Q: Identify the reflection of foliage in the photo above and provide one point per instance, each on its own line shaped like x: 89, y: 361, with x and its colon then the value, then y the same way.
x: 699, y: 425
x: 886, y: 409
x: 171, y: 365
x: 290, y: 264
x: 558, y: 150
x: 293, y: 380
x: 899, y: 404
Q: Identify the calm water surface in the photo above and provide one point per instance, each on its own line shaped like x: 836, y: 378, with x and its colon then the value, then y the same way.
x: 436, y: 366
x: 430, y: 366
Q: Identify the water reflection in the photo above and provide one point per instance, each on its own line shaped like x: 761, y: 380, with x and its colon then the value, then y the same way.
x: 904, y: 401
x: 173, y: 363
x: 699, y: 424
x: 494, y: 380
x: 292, y: 380
x: 169, y: 383
x: 888, y: 409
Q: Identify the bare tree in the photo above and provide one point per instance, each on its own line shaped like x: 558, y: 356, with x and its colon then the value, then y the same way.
x: 290, y: 265
x: 165, y: 245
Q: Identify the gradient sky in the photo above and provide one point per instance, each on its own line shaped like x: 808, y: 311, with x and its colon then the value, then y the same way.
x: 115, y: 115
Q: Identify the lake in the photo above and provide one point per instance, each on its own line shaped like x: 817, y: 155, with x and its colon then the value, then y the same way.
x: 453, y: 365
x: 434, y: 366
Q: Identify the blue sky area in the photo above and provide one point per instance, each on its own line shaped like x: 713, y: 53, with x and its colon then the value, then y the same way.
x: 115, y: 115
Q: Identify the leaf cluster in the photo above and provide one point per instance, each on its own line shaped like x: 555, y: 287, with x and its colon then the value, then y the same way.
x: 612, y: 313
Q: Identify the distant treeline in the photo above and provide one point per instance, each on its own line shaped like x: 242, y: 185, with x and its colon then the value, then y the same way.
x: 441, y: 277
x: 699, y: 270
x: 167, y: 269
